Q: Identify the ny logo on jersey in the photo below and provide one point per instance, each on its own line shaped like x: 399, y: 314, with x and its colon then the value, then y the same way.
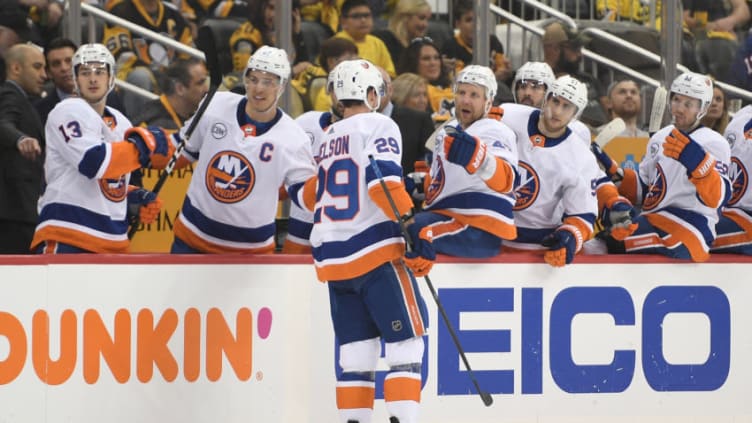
x: 529, y: 187
x: 230, y: 177
x: 739, y: 180
x: 656, y: 189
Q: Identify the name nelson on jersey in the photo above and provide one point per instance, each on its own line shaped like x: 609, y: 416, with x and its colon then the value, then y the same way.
x: 335, y: 147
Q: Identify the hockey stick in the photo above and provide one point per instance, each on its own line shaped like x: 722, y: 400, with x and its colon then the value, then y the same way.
x: 657, y: 110
x: 610, y: 131
x: 485, y: 396
x: 206, y: 42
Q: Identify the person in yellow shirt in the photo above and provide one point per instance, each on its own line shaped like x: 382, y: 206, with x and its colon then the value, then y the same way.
x: 357, y: 23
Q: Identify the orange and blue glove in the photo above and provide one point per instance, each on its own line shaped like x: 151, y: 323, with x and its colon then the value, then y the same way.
x: 617, y: 218
x: 562, y: 246
x: 422, y: 255
x: 148, y: 141
x: 463, y: 149
x: 680, y: 146
x: 143, y: 204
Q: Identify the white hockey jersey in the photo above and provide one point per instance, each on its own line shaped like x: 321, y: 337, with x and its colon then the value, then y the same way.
x: 467, y: 198
x: 557, y: 180
x: 351, y: 234
x: 739, y: 136
x: 670, y: 200
x: 231, y: 201
x: 79, y: 207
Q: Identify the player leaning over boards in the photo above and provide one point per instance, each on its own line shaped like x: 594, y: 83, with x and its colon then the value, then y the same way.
x: 87, y: 200
x: 469, y: 191
x: 735, y: 225
x: 357, y: 248
x: 245, y: 149
x: 531, y: 83
x: 556, y: 203
x: 682, y: 182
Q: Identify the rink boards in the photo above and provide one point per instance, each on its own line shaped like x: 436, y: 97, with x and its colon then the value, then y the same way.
x: 239, y: 339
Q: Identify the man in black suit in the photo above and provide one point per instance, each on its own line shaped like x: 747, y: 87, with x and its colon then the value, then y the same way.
x: 415, y: 126
x: 59, y: 57
x: 21, y: 148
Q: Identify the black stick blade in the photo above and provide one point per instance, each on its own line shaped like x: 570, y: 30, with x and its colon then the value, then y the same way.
x: 207, y: 43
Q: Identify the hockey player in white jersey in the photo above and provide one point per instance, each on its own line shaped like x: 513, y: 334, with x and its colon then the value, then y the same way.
x: 469, y: 191
x: 244, y: 148
x: 734, y: 229
x: 682, y: 182
x: 314, y: 124
x: 357, y: 247
x: 530, y: 86
x: 91, y: 150
x: 556, y: 204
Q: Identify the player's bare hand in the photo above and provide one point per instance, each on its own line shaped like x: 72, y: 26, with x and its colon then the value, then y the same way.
x: 29, y: 148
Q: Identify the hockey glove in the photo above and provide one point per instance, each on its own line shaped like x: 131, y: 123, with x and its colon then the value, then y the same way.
x: 617, y: 217
x: 420, y: 259
x: 415, y: 181
x: 609, y: 165
x: 143, y: 204
x: 561, y: 246
x: 689, y: 153
x: 463, y: 149
x: 148, y: 141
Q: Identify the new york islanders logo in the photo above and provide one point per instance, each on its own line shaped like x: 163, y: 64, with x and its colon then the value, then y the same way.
x: 527, y: 192
x: 113, y: 189
x: 656, y: 190
x: 739, y: 180
x: 229, y: 177
x: 437, y: 183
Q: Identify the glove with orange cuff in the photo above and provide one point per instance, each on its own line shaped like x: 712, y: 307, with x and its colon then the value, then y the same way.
x: 143, y: 204
x: 148, y: 141
x: 680, y: 146
x: 463, y: 149
x: 415, y: 181
x: 422, y: 255
x: 562, y: 246
x: 617, y: 216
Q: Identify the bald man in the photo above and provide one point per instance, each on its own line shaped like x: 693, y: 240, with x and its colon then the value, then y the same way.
x: 21, y: 147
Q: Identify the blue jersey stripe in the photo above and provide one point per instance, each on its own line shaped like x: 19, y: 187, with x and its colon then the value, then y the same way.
x: 92, y: 161
x: 83, y: 217
x: 476, y: 200
x: 372, y: 235
x: 697, y: 220
x: 224, y: 231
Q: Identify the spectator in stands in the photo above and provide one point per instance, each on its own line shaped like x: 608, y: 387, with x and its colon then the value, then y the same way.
x: 204, y: 9
x: 138, y: 58
x: 409, y: 20
x: 423, y: 58
x: 409, y: 90
x: 59, y: 58
x: 45, y: 16
x: 415, y: 126
x: 357, y: 23
x: 626, y: 10
x: 183, y: 86
x: 333, y: 51
x: 21, y: 148
x: 624, y: 101
x: 562, y: 50
x: 319, y: 21
x: 715, y: 29
x: 13, y: 29
x: 717, y: 117
x: 740, y: 71
x: 460, y: 48
x: 258, y: 30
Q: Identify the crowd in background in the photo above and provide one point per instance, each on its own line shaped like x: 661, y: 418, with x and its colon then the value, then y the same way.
x: 420, y: 50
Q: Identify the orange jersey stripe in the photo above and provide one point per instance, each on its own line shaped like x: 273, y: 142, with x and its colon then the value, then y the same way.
x: 181, y: 231
x: 411, y: 302
x: 124, y: 160
x: 399, y: 195
x: 503, y: 179
x: 309, y: 192
x: 79, y: 239
x: 401, y: 388
x: 709, y: 188
x: 730, y: 240
x: 629, y: 185
x: 679, y: 233
x: 443, y: 228
x: 292, y: 247
x: 493, y: 226
x: 349, y: 397
x: 360, y: 265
